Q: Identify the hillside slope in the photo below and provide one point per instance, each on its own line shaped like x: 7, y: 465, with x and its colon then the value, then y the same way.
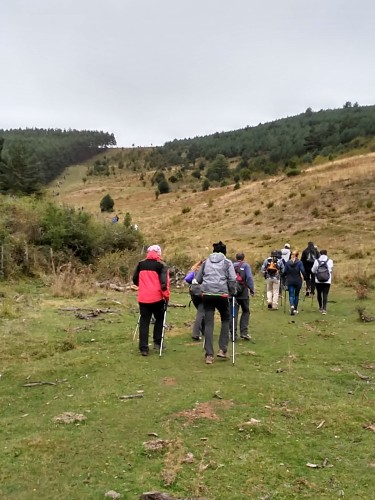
x: 331, y: 204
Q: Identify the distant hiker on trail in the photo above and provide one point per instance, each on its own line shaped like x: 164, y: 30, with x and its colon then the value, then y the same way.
x: 322, y: 270
x: 196, y: 298
x: 271, y: 269
x: 308, y: 257
x: 218, y: 280
x: 115, y: 219
x: 293, y: 272
x: 152, y: 278
x: 244, y: 283
x: 285, y: 255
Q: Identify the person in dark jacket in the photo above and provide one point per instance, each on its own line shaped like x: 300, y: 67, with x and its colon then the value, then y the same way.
x: 293, y: 272
x: 218, y: 280
x: 198, y: 325
x: 308, y: 257
x: 242, y: 300
x: 151, y: 276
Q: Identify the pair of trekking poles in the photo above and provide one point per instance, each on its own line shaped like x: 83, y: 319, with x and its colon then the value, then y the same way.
x: 162, y: 332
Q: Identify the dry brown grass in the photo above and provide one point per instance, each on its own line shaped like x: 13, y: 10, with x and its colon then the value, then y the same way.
x: 329, y: 204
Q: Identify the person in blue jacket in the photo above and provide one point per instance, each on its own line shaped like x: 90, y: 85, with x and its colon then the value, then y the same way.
x: 294, y: 272
x: 245, y: 284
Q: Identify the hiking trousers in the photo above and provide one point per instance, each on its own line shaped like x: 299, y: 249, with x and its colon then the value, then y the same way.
x: 310, y: 278
x: 322, y: 290
x: 210, y: 303
x: 273, y: 288
x: 198, y: 326
x: 244, y: 305
x: 146, y: 310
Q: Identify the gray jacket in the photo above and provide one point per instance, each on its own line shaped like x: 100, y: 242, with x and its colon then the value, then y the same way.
x: 217, y: 275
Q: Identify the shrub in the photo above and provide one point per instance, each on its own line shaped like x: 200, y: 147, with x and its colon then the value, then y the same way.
x: 186, y: 210
x: 106, y: 203
x: 163, y: 186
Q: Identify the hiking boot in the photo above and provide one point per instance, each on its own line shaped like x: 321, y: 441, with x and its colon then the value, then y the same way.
x: 196, y: 338
x: 292, y: 311
x: 209, y: 360
x: 307, y: 293
x: 144, y: 353
x: 295, y: 311
x: 246, y: 337
x: 249, y: 338
x: 269, y: 306
x: 157, y: 347
x: 324, y: 311
x: 222, y: 354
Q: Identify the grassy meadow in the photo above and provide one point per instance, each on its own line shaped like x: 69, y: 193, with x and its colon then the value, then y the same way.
x: 293, y: 418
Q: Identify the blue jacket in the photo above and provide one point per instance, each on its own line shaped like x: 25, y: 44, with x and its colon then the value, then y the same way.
x: 293, y: 271
x: 247, y: 275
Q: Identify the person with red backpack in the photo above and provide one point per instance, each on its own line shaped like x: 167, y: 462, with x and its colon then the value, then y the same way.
x: 151, y: 276
x: 244, y: 284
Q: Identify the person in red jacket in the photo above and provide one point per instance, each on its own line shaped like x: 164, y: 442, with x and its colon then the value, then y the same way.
x: 151, y: 276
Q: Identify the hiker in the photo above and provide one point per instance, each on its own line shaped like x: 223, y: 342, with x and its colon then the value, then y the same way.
x: 271, y: 269
x: 196, y: 298
x: 293, y: 272
x: 115, y: 219
x: 152, y: 278
x: 218, y: 280
x: 285, y: 255
x: 308, y: 257
x: 244, y: 284
x: 322, y: 287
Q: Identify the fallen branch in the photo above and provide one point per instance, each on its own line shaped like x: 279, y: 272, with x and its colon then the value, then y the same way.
x: 363, y: 317
x: 35, y: 384
x: 363, y: 377
x: 131, y: 396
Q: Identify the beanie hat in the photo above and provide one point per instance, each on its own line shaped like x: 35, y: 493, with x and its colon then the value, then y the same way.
x: 286, y: 245
x: 219, y: 247
x: 154, y: 248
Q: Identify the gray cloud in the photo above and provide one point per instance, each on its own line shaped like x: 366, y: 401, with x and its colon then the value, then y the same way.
x: 154, y: 71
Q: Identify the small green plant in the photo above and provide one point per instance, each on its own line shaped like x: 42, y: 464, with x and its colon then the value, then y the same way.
x: 186, y: 210
x: 270, y: 204
x: 257, y: 212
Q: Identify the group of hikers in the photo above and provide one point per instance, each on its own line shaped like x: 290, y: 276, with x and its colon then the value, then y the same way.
x: 217, y: 283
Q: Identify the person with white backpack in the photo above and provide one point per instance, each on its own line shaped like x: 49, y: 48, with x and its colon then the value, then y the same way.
x: 322, y: 270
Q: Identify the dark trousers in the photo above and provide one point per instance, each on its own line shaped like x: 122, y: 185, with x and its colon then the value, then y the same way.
x: 322, y: 292
x: 293, y: 291
x: 210, y: 303
x: 310, y: 277
x: 244, y: 305
x: 146, y: 311
x: 198, y: 326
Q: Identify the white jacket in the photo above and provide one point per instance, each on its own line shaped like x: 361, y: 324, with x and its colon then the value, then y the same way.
x: 315, y: 266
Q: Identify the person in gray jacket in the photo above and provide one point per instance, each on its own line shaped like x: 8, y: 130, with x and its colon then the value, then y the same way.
x: 218, y: 281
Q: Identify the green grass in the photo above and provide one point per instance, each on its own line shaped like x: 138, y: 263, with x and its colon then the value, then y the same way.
x: 301, y: 372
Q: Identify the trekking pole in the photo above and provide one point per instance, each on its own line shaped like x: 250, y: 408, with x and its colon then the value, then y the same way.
x: 163, y: 331
x: 233, y: 332
x: 137, y: 327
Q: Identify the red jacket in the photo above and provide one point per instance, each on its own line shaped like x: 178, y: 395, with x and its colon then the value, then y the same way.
x: 152, y: 278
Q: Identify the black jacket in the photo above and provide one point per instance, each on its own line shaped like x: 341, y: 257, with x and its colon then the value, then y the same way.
x: 293, y: 271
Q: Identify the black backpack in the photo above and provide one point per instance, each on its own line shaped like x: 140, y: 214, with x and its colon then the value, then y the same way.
x: 322, y: 273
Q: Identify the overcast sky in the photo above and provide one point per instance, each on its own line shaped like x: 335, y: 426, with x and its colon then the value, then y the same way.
x: 151, y: 71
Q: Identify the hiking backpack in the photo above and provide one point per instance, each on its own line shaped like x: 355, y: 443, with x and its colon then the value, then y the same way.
x: 322, y: 273
x: 272, y: 268
x: 240, y: 281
